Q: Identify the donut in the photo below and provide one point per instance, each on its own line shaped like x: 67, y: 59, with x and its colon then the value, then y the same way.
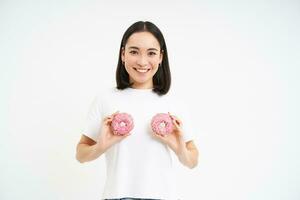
x: 122, y: 124
x: 162, y: 124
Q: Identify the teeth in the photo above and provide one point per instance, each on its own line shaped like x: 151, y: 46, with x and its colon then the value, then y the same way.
x: 142, y: 70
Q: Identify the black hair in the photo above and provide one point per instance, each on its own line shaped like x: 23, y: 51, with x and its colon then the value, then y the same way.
x: 162, y: 78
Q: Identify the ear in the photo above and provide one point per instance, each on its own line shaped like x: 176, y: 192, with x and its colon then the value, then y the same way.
x: 161, y: 56
x: 123, y: 54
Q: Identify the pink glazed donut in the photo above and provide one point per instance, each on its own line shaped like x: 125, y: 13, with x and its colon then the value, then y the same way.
x: 162, y: 124
x: 122, y: 123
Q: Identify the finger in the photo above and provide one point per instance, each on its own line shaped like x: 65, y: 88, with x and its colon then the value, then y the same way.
x: 126, y: 135
x: 171, y: 116
x: 112, y: 115
x: 106, y: 119
x: 174, y: 121
x: 115, y: 113
x: 155, y: 135
x: 159, y: 136
x: 176, y: 124
x: 177, y: 120
x: 106, y: 123
x: 175, y: 117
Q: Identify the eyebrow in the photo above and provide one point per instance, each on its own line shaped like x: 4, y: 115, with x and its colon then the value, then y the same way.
x: 133, y: 47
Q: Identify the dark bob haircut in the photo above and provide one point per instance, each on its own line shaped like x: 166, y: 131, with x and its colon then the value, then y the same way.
x: 162, y: 78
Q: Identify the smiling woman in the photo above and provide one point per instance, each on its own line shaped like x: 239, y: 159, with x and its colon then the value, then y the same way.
x: 142, y: 59
x: 139, y: 163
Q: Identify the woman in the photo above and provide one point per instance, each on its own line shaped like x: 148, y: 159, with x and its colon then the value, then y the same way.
x: 139, y: 164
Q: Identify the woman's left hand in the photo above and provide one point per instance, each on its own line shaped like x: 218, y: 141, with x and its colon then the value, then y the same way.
x: 175, y: 139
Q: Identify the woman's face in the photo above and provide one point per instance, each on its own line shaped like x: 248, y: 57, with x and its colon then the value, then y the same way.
x: 141, y: 58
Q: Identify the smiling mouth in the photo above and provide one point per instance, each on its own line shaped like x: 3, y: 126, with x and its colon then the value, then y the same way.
x: 141, y: 70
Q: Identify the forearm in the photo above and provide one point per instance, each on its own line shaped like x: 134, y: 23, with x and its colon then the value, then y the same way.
x: 87, y: 153
x: 188, y: 157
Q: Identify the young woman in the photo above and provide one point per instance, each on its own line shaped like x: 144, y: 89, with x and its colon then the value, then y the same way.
x: 139, y: 164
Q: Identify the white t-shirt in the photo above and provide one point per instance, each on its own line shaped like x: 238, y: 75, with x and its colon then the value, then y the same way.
x: 139, y: 166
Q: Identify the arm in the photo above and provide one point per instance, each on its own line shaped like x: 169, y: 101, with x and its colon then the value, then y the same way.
x: 88, y: 150
x: 187, y: 154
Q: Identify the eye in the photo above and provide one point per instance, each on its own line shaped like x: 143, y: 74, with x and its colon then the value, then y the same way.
x: 152, y: 53
x: 133, y: 52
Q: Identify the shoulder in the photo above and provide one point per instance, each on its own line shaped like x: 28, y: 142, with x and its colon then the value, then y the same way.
x: 177, y: 98
x: 107, y: 91
x: 108, y: 94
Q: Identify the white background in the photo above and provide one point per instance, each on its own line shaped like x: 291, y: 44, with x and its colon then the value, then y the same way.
x: 237, y: 63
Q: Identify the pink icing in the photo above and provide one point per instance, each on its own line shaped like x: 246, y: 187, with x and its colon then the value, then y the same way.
x: 162, y: 124
x: 122, y: 123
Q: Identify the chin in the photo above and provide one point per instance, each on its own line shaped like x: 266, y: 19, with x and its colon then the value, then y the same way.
x: 140, y: 82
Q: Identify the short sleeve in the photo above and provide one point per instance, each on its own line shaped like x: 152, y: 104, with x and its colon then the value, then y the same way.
x: 93, y: 119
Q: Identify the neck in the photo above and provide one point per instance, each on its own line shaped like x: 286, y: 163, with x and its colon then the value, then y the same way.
x: 142, y: 85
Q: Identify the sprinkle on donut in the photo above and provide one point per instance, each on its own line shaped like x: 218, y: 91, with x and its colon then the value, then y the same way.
x: 122, y: 123
x: 162, y: 124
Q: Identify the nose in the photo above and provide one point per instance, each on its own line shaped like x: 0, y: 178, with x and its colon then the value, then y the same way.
x: 142, y: 61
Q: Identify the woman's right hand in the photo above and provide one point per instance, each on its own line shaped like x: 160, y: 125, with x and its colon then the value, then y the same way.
x: 107, y: 137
